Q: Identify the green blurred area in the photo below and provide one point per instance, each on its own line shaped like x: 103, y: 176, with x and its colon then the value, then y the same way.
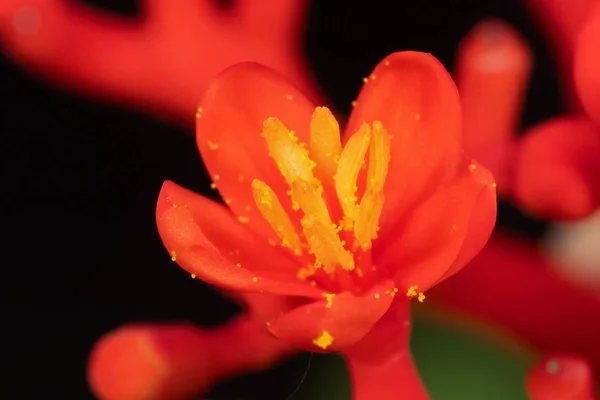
x: 454, y: 364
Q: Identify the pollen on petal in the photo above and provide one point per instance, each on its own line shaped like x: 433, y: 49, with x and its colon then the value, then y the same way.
x: 323, y: 341
x: 173, y: 256
x: 268, y: 204
x: 212, y: 145
x: 329, y: 297
x: 193, y: 276
x: 421, y: 297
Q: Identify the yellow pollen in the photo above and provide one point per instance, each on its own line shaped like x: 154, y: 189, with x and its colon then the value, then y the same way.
x: 386, y: 63
x: 199, y: 112
x: 413, y: 291
x: 373, y: 77
x: 238, y: 265
x: 324, y: 165
x: 173, y: 255
x: 227, y: 201
x: 243, y: 220
x: 472, y: 166
x: 329, y: 297
x: 365, y: 80
x: 216, y: 177
x: 193, y: 276
x: 289, y: 97
x: 323, y: 341
x: 213, y: 185
x: 353, y: 103
x: 255, y: 279
x: 174, y: 205
x: 376, y: 295
x: 494, y: 185
x: 268, y: 204
x: 212, y: 145
x: 454, y: 227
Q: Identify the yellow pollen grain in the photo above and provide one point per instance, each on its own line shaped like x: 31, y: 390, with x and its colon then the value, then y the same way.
x: 365, y: 80
x: 238, y: 265
x: 199, y: 112
x: 472, y: 166
x: 289, y: 97
x: 412, y: 291
x: 173, y: 255
x: 255, y: 279
x: 421, y: 297
x: 386, y: 63
x: 174, y: 205
x: 216, y: 177
x: 323, y: 341
x: 353, y: 103
x: 395, y: 290
x: 227, y: 201
x: 212, y: 145
x: 494, y: 185
x: 306, y: 272
x: 373, y: 77
x: 377, y: 295
x: 329, y: 297
x: 193, y: 276
x: 213, y: 185
x: 243, y: 220
x: 454, y: 227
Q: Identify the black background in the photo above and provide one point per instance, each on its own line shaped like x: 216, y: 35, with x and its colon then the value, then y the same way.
x: 79, y: 180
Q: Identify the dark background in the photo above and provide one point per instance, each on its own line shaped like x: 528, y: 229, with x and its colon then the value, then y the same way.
x: 79, y: 180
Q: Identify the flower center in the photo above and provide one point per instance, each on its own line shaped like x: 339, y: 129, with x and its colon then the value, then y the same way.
x: 313, y: 171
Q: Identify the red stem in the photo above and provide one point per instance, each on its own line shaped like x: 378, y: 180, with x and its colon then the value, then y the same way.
x: 396, y: 378
x: 381, y: 366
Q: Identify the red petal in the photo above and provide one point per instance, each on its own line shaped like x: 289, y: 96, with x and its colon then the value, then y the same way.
x: 442, y: 234
x: 557, y: 168
x: 346, y: 317
x: 561, y: 377
x: 414, y: 97
x: 177, y: 361
x: 208, y: 241
x: 587, y: 65
x: 233, y: 111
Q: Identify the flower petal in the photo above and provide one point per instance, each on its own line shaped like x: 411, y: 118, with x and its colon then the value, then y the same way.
x: 556, y: 175
x: 205, y: 239
x: 336, y: 322
x: 587, y: 63
x: 443, y: 233
x: 414, y: 97
x: 228, y: 131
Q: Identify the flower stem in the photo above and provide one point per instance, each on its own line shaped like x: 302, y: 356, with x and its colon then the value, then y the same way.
x: 381, y: 366
x: 396, y: 378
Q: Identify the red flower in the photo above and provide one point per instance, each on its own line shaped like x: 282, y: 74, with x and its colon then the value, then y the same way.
x: 416, y: 215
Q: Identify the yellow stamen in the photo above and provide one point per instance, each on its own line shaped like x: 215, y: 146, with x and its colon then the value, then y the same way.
x: 326, y: 245
x: 323, y: 341
x: 371, y: 205
x: 267, y: 202
x: 325, y: 143
x: 351, y: 160
x: 292, y: 159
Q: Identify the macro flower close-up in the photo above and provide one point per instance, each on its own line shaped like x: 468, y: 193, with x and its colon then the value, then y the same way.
x: 348, y: 227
